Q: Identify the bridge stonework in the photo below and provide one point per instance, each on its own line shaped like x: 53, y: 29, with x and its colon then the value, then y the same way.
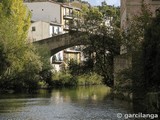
x: 63, y: 41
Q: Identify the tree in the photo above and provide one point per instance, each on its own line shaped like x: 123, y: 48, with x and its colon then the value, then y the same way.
x: 151, y: 54
x: 20, y: 66
x: 103, y: 42
x: 18, y: 13
x: 133, y: 37
x: 45, y: 73
x: 110, y: 12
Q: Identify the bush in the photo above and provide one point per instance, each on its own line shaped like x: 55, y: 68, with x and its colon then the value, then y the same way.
x: 89, y: 79
x: 66, y: 79
x: 63, y: 79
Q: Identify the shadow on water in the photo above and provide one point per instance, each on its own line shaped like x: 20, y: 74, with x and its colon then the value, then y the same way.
x: 146, y: 102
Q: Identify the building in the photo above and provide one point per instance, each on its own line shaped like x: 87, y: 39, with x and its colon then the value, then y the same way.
x: 50, y: 19
x: 46, y: 20
x: 40, y: 30
x: 61, y: 59
x: 58, y: 17
x: 130, y: 8
x: 70, y: 55
x: 68, y: 13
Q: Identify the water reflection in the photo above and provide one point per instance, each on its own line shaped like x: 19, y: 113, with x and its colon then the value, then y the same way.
x: 94, y: 102
x: 94, y: 93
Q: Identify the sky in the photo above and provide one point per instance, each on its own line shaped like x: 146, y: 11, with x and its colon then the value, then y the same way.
x: 109, y: 2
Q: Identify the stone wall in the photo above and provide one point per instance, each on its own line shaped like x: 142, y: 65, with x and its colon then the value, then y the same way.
x: 121, y: 62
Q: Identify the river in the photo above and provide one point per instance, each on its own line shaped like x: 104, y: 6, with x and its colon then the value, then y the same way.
x: 82, y: 103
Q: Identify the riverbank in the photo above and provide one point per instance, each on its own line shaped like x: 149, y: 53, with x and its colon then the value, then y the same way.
x: 146, y: 102
x: 128, y: 96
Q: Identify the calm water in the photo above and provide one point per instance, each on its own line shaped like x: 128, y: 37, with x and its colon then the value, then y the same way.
x: 83, y: 103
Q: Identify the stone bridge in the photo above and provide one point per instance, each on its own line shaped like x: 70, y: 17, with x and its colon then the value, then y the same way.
x: 63, y: 41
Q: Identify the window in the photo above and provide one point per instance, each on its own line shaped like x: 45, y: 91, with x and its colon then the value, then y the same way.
x: 66, y: 24
x: 53, y: 29
x: 59, y: 57
x: 157, y: 11
x: 57, y: 30
x: 64, y: 11
x: 33, y: 28
x: 70, y: 12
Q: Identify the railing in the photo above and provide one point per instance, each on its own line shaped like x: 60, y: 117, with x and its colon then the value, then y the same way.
x: 70, y: 16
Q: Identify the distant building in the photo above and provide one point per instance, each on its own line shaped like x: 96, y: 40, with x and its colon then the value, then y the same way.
x: 68, y: 15
x: 130, y: 8
x: 72, y: 55
x: 46, y: 20
x: 61, y: 59
x: 58, y: 16
x: 40, y: 30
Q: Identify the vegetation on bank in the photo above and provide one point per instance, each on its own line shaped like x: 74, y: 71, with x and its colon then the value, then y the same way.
x: 151, y: 54
x: 77, y: 74
x: 22, y: 65
x: 66, y: 79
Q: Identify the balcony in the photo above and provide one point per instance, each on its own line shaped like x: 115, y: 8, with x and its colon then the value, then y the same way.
x: 70, y: 16
x: 66, y: 27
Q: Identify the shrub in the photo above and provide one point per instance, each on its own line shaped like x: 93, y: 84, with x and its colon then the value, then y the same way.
x: 66, y: 79
x: 89, y: 79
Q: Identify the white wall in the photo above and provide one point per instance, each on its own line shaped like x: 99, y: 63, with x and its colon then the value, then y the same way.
x: 41, y: 31
x: 45, y: 11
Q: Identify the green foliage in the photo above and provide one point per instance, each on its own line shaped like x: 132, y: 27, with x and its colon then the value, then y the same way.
x: 19, y: 15
x: 151, y: 54
x: 20, y: 64
x: 66, y: 79
x: 134, y: 36
x: 74, y: 68
x: 110, y: 12
x: 45, y: 73
x: 89, y: 79
x: 83, y: 74
x: 105, y: 45
x: 142, y: 43
x: 91, y: 19
x: 104, y: 41
x: 63, y: 79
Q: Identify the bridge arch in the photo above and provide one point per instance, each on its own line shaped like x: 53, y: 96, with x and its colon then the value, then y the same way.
x: 63, y: 41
